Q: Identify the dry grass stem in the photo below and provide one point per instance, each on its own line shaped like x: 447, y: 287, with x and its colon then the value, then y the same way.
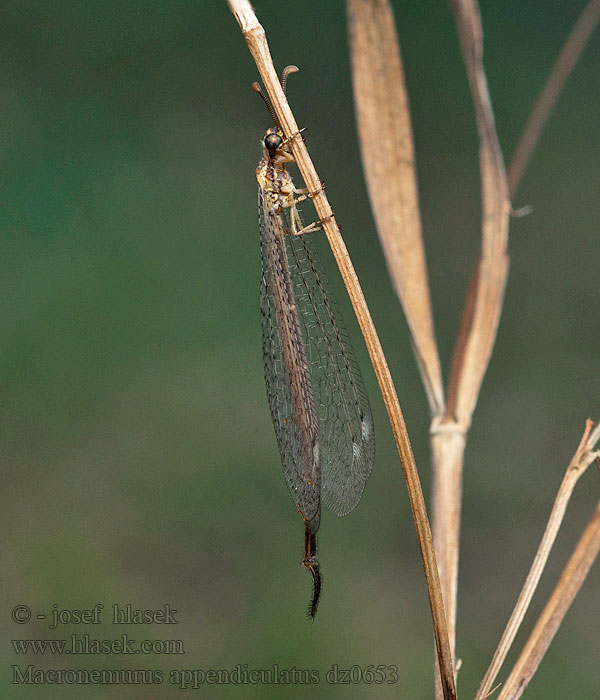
x: 555, y: 610
x: 448, y: 442
x: 568, y: 57
x: 479, y: 323
x: 583, y: 457
x: 255, y: 38
x: 568, y: 586
x: 385, y: 136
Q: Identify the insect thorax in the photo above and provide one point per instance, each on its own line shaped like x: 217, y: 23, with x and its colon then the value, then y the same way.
x: 276, y: 184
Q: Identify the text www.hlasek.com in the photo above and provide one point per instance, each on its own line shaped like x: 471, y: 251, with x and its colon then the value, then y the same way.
x: 84, y: 644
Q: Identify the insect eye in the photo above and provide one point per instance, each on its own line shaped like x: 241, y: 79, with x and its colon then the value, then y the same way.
x: 272, y: 142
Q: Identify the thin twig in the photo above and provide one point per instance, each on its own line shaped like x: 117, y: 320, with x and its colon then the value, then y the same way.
x: 255, y: 38
x: 386, y: 143
x: 556, y: 608
x: 567, y: 58
x: 583, y: 457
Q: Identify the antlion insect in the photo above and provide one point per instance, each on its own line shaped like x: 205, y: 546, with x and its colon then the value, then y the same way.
x: 318, y: 403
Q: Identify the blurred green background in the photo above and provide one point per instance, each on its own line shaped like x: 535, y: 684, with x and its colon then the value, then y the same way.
x: 139, y: 460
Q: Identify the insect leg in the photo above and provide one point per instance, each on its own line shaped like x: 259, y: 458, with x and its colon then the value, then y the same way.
x: 295, y: 135
x: 315, y: 226
x: 306, y: 194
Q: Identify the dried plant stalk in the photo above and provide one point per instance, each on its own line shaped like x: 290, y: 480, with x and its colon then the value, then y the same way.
x: 568, y: 586
x: 568, y: 57
x: 447, y: 449
x: 583, y: 457
x: 255, y: 38
x: 386, y: 144
x: 479, y: 324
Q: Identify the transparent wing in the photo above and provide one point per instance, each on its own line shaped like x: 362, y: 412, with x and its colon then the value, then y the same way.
x: 287, y: 374
x: 345, y: 419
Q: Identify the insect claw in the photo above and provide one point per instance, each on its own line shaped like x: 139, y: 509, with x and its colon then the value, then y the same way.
x: 294, y: 135
x: 316, y: 192
x: 326, y: 218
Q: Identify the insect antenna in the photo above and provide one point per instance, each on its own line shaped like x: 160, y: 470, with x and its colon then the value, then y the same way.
x: 257, y: 88
x: 284, y: 76
x: 286, y: 72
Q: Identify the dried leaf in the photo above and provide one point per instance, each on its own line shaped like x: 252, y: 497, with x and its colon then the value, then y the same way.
x: 386, y: 143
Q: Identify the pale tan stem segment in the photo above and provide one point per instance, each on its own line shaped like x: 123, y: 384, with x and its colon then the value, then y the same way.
x: 448, y: 447
x: 583, y: 457
x: 543, y: 633
x: 448, y: 441
x: 567, y: 58
x: 255, y: 38
x: 386, y: 143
